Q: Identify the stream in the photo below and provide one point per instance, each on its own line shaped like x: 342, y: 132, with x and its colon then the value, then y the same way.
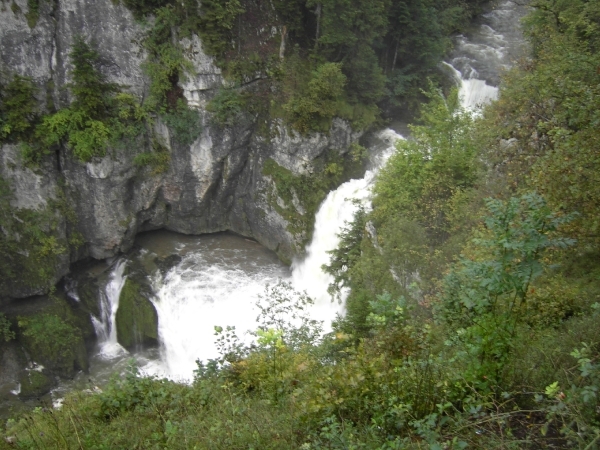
x: 218, y: 278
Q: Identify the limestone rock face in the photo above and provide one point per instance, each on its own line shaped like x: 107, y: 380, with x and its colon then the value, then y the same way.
x: 214, y: 184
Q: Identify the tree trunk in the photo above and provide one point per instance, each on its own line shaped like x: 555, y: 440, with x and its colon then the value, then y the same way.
x: 318, y: 13
x: 282, y: 45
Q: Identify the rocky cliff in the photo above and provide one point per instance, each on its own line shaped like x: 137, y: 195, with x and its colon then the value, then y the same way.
x: 217, y: 183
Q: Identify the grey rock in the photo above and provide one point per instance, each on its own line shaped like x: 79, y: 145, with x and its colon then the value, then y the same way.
x: 214, y: 184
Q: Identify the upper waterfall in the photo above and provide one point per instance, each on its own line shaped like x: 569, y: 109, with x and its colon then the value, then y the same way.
x: 481, y: 56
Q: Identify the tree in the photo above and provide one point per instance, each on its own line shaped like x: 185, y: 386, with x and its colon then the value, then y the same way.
x: 485, y: 298
x: 18, y: 109
x: 93, y: 93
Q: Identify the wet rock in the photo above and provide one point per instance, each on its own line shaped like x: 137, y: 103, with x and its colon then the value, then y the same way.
x: 137, y: 320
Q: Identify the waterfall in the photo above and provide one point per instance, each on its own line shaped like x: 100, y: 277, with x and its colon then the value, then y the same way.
x: 220, y: 277
x: 105, y: 325
x: 336, y: 211
x: 479, y: 58
x: 217, y: 283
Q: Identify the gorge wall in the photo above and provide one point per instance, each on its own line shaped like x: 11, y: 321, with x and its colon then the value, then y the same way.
x: 217, y: 183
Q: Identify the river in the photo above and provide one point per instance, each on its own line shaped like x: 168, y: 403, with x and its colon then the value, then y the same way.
x: 219, y: 277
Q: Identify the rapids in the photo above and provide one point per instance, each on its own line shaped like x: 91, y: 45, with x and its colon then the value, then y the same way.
x: 220, y: 277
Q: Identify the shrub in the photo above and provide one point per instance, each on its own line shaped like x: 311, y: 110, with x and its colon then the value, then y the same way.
x: 184, y: 122
x: 227, y: 107
x: 314, y: 108
x: 53, y: 342
x: 6, y: 333
x: 485, y: 299
x: 18, y: 109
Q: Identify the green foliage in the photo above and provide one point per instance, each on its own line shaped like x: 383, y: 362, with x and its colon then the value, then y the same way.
x: 345, y: 256
x: 346, y: 23
x: 142, y: 8
x: 366, y: 81
x: 313, y: 109
x: 18, y: 109
x: 86, y: 137
x: 159, y: 159
x: 287, y: 312
x: 575, y: 409
x: 184, y: 122
x: 485, y: 299
x: 53, y: 342
x: 556, y: 99
x: 216, y: 24
x: 93, y: 93
x: 98, y: 115
x: 166, y: 64
x: 423, y: 199
x: 5, y: 332
x: 227, y: 107
x: 437, y: 164
x: 33, y: 12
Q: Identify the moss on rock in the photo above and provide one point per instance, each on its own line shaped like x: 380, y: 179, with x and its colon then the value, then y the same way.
x: 35, y: 383
x: 298, y: 197
x: 54, y: 342
x: 137, y: 320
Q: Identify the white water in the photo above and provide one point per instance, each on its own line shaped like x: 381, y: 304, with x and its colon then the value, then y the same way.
x: 480, y: 57
x: 217, y: 285
x: 218, y: 281
x: 197, y: 295
x: 105, y: 325
x: 336, y: 211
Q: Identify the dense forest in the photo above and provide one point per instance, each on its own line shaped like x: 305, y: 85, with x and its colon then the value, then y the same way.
x: 474, y: 306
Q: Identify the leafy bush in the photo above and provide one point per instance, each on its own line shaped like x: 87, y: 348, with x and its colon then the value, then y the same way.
x: 5, y: 332
x: 227, y: 107
x: 216, y: 24
x: 86, y: 137
x: 486, y: 299
x: 142, y: 8
x: 313, y: 109
x: 184, y: 122
x: 18, y: 109
x: 93, y: 93
x: 33, y: 12
x: 158, y: 161
x: 53, y: 342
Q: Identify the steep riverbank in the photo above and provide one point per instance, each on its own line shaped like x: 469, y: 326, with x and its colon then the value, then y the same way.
x: 230, y: 178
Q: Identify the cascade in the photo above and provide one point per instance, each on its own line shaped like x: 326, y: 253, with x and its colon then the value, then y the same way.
x: 217, y: 283
x: 220, y: 277
x: 105, y: 325
x: 479, y: 58
x: 336, y: 211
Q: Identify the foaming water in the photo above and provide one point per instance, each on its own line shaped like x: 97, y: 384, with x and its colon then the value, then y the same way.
x: 480, y: 56
x: 105, y: 325
x: 217, y: 283
x: 336, y: 211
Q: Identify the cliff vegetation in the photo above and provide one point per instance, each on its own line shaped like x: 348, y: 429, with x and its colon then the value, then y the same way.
x: 475, y: 297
